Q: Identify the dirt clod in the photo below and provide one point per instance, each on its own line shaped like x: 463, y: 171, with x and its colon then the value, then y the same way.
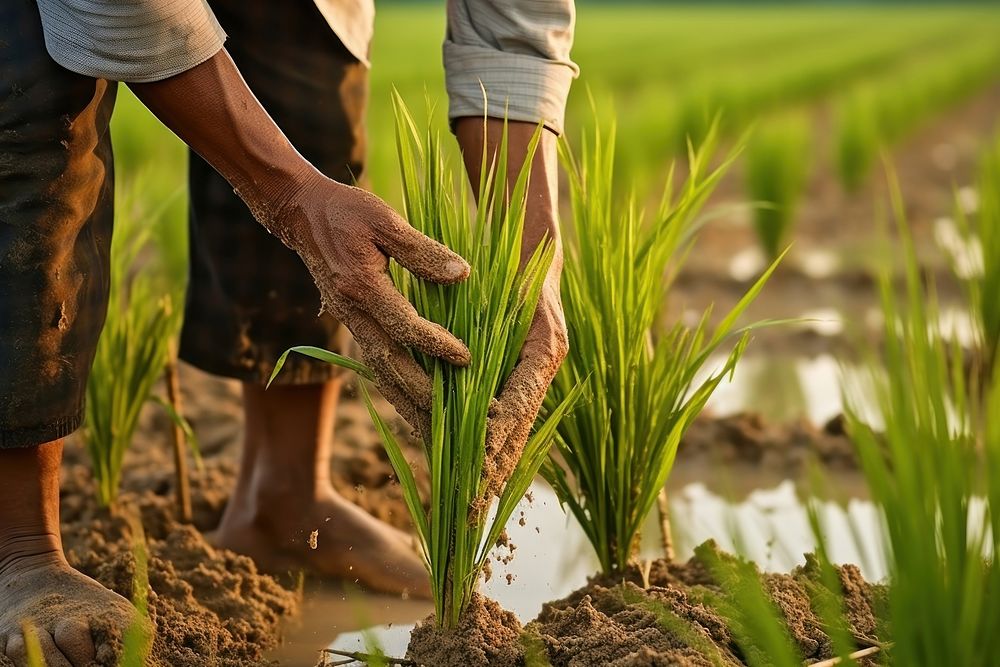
x: 486, y: 636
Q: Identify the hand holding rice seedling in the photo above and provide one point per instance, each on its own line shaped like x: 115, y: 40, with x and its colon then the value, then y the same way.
x: 491, y: 311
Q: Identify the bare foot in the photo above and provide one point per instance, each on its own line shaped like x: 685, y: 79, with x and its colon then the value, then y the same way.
x: 78, y: 622
x: 349, y: 544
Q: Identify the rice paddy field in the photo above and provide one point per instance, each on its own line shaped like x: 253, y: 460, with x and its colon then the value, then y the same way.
x: 775, y: 438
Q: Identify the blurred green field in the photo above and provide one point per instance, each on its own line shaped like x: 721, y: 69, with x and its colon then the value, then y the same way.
x: 872, y: 74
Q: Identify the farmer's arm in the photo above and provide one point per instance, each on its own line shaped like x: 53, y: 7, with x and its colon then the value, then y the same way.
x: 519, y: 52
x: 170, y: 52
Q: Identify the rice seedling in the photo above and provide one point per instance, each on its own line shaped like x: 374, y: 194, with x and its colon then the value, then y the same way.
x: 616, y: 450
x: 491, y: 312
x: 132, y: 350
x: 857, y: 140
x: 777, y: 168
x: 932, y: 469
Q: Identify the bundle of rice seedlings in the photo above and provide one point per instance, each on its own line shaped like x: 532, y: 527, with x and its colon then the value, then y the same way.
x: 491, y: 311
x: 777, y: 168
x: 616, y: 449
x: 132, y: 350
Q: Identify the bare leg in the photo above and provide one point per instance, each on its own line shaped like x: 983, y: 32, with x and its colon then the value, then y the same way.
x: 284, y: 493
x: 72, y: 614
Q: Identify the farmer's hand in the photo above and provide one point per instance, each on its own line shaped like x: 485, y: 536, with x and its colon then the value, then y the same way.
x: 513, y: 413
x: 346, y: 236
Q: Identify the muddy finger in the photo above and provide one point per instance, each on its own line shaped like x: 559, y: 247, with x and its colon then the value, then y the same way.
x: 390, y: 362
x: 400, y: 320
x: 421, y: 255
x: 419, y: 420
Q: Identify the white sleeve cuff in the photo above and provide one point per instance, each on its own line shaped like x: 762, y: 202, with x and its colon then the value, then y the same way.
x: 522, y: 87
x: 135, y: 41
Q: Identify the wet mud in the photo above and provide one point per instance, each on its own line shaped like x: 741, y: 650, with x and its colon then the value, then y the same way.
x: 672, y: 616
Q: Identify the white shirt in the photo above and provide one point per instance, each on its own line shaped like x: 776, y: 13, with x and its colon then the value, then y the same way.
x: 518, y: 50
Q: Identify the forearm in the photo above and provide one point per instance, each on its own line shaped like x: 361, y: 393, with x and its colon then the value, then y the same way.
x: 212, y: 110
x: 543, y: 185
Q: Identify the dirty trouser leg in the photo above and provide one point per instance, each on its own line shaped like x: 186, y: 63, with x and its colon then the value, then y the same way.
x: 56, y: 201
x: 250, y: 298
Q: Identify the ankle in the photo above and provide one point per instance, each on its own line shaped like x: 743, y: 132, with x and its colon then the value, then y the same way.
x: 28, y: 548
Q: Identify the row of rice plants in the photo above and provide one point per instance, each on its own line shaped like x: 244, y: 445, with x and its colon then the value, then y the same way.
x: 889, y: 109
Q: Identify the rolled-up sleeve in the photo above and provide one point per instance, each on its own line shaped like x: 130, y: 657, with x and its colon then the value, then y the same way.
x: 518, y: 51
x: 135, y: 41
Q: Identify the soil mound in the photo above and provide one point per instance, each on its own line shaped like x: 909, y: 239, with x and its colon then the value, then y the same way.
x: 673, y: 618
x: 487, y: 636
x: 209, y: 606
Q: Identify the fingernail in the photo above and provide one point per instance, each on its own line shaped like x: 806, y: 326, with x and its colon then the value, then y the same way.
x: 457, y: 268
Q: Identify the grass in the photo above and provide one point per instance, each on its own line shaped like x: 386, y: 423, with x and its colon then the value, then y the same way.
x: 777, y: 170
x: 616, y: 449
x: 132, y: 351
x: 491, y: 312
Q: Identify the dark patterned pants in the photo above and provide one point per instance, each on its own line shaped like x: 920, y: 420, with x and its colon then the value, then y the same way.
x: 249, y: 298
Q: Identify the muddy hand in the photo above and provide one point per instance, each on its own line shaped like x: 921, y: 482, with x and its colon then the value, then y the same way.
x: 513, y: 414
x: 346, y: 236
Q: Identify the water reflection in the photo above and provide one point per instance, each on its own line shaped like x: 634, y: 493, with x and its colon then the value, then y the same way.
x: 780, y: 388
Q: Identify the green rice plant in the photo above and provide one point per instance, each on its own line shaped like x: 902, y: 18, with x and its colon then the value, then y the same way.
x: 777, y: 169
x: 132, y: 349
x: 491, y: 311
x: 616, y: 450
x: 933, y: 470
x: 857, y: 140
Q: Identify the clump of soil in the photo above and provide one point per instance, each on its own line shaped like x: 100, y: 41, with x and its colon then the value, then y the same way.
x: 673, y: 617
x: 208, y: 605
x: 487, y: 636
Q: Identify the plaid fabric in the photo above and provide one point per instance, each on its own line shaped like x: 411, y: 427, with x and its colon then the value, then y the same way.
x: 56, y: 199
x: 249, y: 297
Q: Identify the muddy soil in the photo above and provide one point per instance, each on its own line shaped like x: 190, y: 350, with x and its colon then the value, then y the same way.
x: 672, y: 617
x: 487, y: 636
x: 208, y: 605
